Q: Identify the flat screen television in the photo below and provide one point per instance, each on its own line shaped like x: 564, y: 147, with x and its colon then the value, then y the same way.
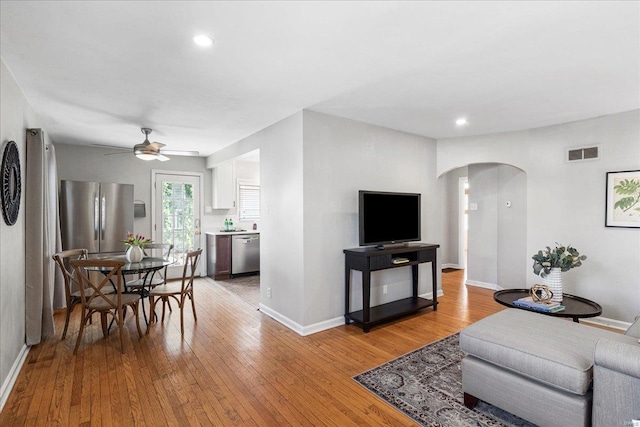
x: 388, y: 218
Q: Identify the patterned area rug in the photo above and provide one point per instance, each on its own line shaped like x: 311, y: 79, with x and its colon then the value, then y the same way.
x: 426, y: 385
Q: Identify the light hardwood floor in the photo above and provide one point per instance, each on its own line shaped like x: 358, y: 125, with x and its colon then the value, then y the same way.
x: 235, y: 366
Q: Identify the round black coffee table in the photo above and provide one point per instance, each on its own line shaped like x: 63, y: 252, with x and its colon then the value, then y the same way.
x: 576, y: 307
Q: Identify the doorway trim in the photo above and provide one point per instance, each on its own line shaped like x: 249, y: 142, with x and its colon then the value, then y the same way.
x: 462, y: 215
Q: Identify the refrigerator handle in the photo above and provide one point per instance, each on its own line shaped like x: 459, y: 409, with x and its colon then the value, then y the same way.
x: 103, y: 216
x: 96, y: 216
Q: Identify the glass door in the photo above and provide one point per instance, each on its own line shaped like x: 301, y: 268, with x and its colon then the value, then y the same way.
x: 177, y: 216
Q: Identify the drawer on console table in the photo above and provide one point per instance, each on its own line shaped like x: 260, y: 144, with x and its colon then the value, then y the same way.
x: 378, y: 262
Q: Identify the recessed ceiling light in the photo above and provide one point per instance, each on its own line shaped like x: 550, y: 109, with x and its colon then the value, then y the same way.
x: 202, y: 40
x: 461, y: 122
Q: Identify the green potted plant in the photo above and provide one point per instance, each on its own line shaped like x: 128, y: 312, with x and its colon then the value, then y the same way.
x: 551, y: 263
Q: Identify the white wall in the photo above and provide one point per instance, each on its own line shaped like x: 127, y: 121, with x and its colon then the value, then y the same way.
x: 512, y: 227
x: 16, y: 116
x: 282, y: 212
x: 248, y: 170
x: 244, y: 146
x: 566, y: 201
x: 341, y: 157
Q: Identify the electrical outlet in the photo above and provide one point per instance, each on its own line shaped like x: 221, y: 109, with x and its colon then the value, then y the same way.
x: 268, y: 292
x: 384, y: 289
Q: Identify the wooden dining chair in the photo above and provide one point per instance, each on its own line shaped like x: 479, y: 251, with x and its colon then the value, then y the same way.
x: 71, y: 288
x: 94, y: 296
x: 179, y: 291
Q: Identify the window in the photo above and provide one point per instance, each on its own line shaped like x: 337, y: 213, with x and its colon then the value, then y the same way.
x: 248, y: 201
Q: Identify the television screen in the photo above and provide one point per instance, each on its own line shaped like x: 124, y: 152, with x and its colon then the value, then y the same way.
x: 386, y: 218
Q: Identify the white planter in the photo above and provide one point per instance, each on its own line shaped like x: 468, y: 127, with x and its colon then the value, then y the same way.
x: 554, y: 281
x: 134, y: 254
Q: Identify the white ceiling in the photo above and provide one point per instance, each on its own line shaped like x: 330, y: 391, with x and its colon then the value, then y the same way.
x: 97, y: 71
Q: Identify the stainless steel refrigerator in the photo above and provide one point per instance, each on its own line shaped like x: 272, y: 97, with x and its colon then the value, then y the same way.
x: 95, y: 215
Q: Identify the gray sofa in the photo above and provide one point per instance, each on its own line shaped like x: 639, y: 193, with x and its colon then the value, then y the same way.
x: 552, y: 372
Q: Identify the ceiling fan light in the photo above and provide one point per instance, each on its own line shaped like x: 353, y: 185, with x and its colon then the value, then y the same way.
x: 146, y: 156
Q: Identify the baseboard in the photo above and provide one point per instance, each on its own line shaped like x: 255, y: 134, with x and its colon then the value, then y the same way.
x: 482, y: 285
x: 8, y: 384
x: 296, y: 327
x: 448, y: 265
x: 609, y: 323
x: 429, y: 295
x: 323, y: 326
x: 320, y: 326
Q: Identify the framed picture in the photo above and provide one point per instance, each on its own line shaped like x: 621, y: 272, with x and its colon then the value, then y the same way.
x: 623, y: 199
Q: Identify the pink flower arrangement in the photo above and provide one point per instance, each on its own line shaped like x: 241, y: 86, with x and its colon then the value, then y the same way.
x: 135, y: 240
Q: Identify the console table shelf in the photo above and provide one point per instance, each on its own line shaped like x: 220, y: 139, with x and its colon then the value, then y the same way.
x: 368, y: 259
x: 391, y: 310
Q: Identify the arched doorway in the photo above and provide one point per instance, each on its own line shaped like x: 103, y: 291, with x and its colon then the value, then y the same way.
x: 495, y: 214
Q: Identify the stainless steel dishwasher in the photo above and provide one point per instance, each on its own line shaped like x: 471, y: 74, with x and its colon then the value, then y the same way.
x: 245, y: 253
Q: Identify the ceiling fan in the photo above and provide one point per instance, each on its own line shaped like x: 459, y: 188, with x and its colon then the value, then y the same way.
x: 153, y: 150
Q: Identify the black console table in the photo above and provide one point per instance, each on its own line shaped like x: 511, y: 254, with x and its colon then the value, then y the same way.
x: 368, y: 259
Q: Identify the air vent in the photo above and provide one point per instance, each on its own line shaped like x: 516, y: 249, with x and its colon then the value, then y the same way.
x: 583, y: 153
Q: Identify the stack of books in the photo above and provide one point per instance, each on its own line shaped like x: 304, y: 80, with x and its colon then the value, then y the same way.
x: 547, y: 307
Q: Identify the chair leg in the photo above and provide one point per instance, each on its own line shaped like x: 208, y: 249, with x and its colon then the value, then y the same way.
x: 84, y: 320
x: 144, y: 313
x: 136, y: 310
x: 182, y: 301
x: 165, y: 300
x: 193, y: 306
x: 103, y: 321
x: 121, y: 328
x: 66, y: 321
x: 152, y: 312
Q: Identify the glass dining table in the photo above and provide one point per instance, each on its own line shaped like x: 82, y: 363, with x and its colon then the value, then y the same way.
x: 146, y: 268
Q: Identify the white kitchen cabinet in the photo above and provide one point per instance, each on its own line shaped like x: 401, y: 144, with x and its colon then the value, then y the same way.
x: 224, y: 186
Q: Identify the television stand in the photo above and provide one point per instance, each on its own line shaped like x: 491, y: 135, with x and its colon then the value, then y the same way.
x: 392, y: 246
x: 368, y: 259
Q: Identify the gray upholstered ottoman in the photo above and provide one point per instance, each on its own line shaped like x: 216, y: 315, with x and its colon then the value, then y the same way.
x: 534, y: 366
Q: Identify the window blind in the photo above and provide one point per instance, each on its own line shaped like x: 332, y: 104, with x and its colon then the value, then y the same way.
x: 248, y: 202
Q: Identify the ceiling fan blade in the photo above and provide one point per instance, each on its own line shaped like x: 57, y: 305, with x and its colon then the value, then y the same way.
x: 180, y: 153
x: 113, y: 147
x: 149, y: 148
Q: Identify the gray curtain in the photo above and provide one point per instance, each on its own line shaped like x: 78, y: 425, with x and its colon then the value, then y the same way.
x: 59, y: 296
x: 42, y: 236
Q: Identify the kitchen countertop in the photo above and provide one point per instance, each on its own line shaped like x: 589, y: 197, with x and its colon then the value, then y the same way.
x: 221, y: 233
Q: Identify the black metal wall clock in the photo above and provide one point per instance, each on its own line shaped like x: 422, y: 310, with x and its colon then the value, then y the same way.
x: 11, y: 183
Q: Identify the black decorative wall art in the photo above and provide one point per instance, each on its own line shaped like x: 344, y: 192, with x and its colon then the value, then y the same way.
x: 11, y: 183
